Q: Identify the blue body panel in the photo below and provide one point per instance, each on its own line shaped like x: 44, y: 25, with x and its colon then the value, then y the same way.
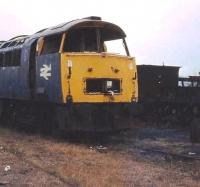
x: 48, y: 80
x: 14, y: 83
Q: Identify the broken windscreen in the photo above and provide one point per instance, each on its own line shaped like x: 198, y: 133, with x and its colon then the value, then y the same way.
x: 95, y: 39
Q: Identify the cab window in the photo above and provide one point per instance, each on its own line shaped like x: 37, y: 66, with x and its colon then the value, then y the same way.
x: 51, y: 44
x: 95, y: 39
x: 79, y: 40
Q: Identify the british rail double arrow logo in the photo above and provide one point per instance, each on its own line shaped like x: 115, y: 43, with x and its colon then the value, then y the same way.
x: 45, y: 71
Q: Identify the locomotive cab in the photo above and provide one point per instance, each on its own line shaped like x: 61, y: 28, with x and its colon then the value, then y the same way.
x: 81, y: 66
x: 90, y: 73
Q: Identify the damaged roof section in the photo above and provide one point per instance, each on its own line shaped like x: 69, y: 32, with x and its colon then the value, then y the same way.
x: 92, y: 21
x: 85, y: 22
x: 13, y: 42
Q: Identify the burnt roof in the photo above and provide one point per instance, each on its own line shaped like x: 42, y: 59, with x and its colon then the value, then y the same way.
x: 63, y: 27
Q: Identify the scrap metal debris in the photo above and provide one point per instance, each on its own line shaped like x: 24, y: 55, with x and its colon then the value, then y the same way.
x: 99, y: 148
x: 7, y: 168
x: 3, y: 183
x: 191, y: 153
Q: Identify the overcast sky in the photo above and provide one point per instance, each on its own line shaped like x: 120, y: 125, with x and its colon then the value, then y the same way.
x: 157, y: 31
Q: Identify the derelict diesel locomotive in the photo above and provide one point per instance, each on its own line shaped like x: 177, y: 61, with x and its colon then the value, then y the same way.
x: 68, y: 71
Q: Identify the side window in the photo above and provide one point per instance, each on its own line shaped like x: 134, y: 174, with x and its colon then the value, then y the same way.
x: 1, y: 59
x: 11, y: 58
x: 8, y: 58
x: 51, y: 44
x: 16, y: 57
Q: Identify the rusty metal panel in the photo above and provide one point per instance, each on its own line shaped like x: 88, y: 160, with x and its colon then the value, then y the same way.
x: 153, y: 80
x: 188, y: 90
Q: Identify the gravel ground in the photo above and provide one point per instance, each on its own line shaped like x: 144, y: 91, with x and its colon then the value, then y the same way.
x: 136, y: 157
x: 22, y: 173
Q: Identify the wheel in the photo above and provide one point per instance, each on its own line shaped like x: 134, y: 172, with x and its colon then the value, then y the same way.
x: 45, y: 118
x: 195, y: 131
x: 1, y: 109
x: 59, y: 122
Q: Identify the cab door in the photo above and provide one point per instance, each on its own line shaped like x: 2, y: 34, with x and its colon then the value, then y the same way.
x: 48, y: 84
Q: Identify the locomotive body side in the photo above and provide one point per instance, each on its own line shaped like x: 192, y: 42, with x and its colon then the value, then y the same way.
x: 69, y: 67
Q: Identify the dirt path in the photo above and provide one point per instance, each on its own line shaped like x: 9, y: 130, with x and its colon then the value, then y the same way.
x: 40, y: 161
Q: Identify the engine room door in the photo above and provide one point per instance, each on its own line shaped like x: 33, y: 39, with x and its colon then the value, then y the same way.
x: 32, y: 68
